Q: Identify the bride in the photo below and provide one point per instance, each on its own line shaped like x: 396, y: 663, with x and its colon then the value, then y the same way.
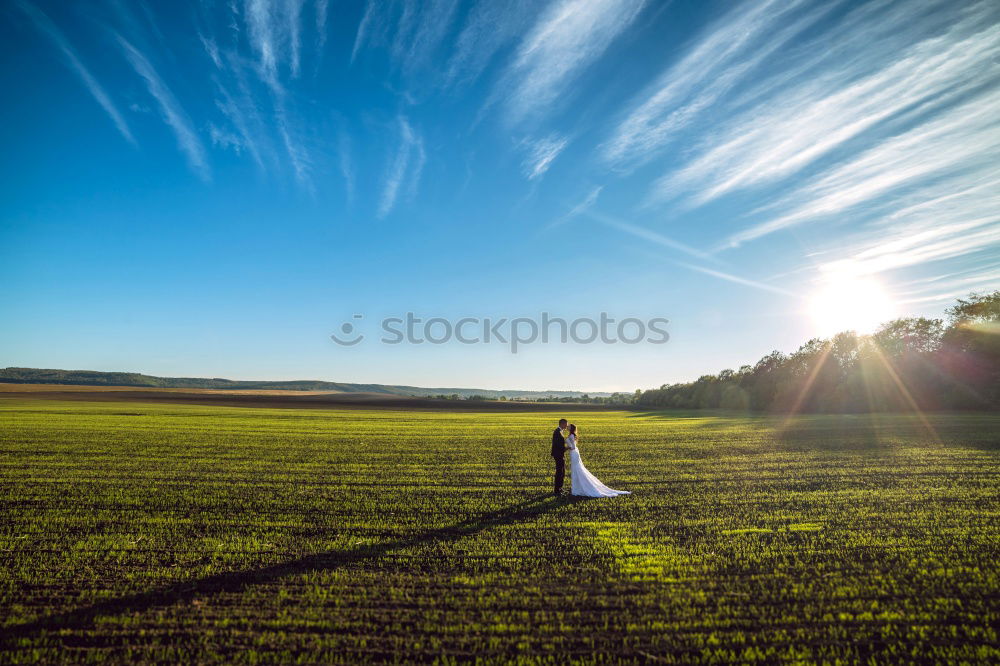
x: 585, y: 484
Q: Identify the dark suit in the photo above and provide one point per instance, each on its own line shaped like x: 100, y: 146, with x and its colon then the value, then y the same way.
x: 558, y: 451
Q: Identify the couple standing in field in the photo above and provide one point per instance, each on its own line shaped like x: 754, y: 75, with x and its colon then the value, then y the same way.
x: 584, y: 484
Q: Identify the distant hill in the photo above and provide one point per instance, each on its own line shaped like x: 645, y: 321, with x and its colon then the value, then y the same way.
x: 95, y: 378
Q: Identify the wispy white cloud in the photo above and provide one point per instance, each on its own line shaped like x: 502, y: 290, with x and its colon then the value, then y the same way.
x: 259, y: 17
x: 732, y: 82
x: 363, y: 27
x: 805, y: 123
x: 952, y: 294
x: 731, y: 49
x: 541, y: 153
x: 243, y: 112
x: 417, y: 169
x: 966, y: 271
x: 275, y: 33
x: 729, y: 277
x: 965, y: 139
x: 881, y: 119
x: 567, y: 37
x: 952, y: 223
x: 404, y: 26
x: 947, y: 290
x: 322, y: 11
x: 238, y: 118
x: 298, y: 154
x: 872, y: 32
x: 49, y: 29
x: 170, y: 109
x: 489, y: 26
x: 412, y: 31
x: 223, y: 138
x: 407, y: 161
x: 293, y: 11
x: 273, y: 27
x: 436, y: 17
x: 346, y: 164
x: 645, y: 234
x: 588, y: 201
x: 583, y: 206
x: 929, y: 245
x: 211, y: 49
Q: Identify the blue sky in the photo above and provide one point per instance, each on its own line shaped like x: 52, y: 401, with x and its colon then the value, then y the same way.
x: 212, y: 188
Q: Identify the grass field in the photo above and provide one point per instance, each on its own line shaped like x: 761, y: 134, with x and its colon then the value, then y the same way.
x: 182, y: 533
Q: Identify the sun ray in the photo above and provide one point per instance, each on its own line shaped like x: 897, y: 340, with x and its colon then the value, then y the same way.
x: 905, y: 393
x: 806, y: 387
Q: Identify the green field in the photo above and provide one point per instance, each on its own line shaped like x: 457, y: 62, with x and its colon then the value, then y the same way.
x: 152, y: 533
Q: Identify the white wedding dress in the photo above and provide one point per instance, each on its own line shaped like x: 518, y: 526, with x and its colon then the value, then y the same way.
x: 586, y: 484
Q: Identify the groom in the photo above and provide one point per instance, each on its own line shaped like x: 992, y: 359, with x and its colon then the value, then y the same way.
x: 558, y: 451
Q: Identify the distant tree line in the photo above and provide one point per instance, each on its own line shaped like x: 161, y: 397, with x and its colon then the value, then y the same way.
x: 97, y: 378
x: 907, y: 364
x: 613, y: 399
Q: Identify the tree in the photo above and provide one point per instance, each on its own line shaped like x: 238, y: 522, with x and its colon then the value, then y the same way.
x: 911, y: 362
x: 971, y: 347
x: 909, y: 335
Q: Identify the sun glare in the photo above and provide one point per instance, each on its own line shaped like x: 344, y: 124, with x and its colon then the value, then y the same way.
x: 850, y: 303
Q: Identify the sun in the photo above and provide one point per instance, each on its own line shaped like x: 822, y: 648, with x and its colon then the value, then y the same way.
x: 850, y: 303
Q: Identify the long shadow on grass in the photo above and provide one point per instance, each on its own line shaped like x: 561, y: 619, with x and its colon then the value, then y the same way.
x: 236, y: 581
